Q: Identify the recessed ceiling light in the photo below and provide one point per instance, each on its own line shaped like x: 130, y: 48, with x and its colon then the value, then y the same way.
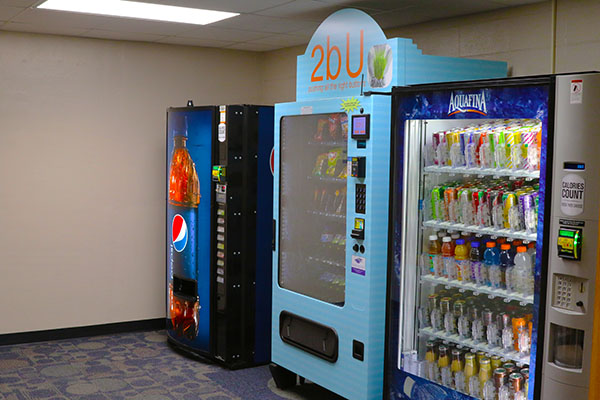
x: 134, y: 9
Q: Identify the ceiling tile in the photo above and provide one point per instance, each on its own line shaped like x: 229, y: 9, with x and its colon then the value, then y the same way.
x: 282, y: 40
x: 136, y: 36
x: 144, y: 26
x: 194, y: 41
x: 443, y: 9
x: 253, y: 46
x: 235, y: 35
x: 406, y: 16
x: 310, y: 10
x: 259, y: 23
x: 49, y: 29
x: 382, y: 5
x: 8, y: 12
x: 245, y: 6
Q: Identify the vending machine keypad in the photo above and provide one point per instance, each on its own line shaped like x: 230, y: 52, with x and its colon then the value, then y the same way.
x: 569, y: 292
x: 360, y: 203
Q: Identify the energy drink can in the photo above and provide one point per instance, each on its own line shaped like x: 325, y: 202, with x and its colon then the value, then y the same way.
x: 451, y: 204
x: 435, y: 143
x: 437, y: 202
x: 465, y: 215
x: 484, y: 218
x: 510, y: 210
x: 496, y: 208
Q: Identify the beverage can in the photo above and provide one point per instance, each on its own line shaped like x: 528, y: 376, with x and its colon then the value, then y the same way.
x: 510, y: 367
x: 495, y: 200
x: 465, y: 206
x: 516, y: 382
x: 436, y: 203
x: 450, y: 204
x: 435, y: 142
x: 510, y: 212
x: 527, y: 202
x: 500, y: 377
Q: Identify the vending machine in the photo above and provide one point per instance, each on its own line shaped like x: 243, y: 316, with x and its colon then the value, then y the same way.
x: 219, y: 229
x: 331, y: 201
x: 493, y: 240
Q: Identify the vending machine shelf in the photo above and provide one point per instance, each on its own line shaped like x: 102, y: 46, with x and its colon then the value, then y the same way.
x: 476, y: 229
x: 326, y: 262
x: 331, y: 179
x: 471, y: 344
x: 516, y: 173
x: 328, y: 143
x: 477, y: 289
x: 341, y: 217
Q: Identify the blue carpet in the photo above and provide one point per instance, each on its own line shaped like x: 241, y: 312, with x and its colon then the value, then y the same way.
x: 131, y: 366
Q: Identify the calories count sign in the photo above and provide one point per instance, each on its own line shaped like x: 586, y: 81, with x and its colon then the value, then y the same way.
x: 572, y: 194
x: 348, y: 51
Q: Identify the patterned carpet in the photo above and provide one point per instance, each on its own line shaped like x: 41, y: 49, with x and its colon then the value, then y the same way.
x: 131, y: 366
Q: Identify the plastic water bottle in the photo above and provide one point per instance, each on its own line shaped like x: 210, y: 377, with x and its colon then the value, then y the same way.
x: 524, y: 271
x: 448, y: 258
x: 491, y: 261
x: 463, y: 270
x: 477, y: 271
x: 506, y: 268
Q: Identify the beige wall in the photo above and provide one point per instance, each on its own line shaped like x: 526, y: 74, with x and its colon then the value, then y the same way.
x: 82, y: 166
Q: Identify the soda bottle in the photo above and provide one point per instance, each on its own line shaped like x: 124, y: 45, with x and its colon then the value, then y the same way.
x: 491, y: 260
x: 448, y: 258
x: 463, y: 270
x: 477, y: 271
x: 183, y: 200
x: 523, y: 271
x: 506, y: 268
x: 434, y: 251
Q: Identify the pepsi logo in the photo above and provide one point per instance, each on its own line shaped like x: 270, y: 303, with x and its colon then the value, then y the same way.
x: 179, y: 233
x: 272, y: 161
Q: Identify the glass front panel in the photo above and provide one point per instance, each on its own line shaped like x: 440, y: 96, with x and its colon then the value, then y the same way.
x: 469, y: 307
x: 312, y: 232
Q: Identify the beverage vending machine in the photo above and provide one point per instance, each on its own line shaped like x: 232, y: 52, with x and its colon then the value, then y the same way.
x: 219, y: 226
x: 494, y: 233
x: 331, y: 201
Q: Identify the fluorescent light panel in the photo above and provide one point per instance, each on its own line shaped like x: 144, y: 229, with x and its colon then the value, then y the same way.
x: 134, y: 9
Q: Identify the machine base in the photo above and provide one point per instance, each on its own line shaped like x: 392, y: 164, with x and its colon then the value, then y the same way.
x: 284, y: 378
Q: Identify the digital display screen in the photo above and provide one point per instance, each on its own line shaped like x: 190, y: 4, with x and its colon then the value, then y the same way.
x: 578, y: 166
x: 564, y: 233
x: 360, y: 126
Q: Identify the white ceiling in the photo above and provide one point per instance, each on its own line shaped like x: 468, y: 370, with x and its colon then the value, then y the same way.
x: 262, y: 25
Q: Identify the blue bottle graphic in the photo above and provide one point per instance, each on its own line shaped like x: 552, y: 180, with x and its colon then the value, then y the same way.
x: 183, y: 200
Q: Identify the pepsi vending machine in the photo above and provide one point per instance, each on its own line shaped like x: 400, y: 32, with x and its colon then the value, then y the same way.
x: 493, y: 242
x: 331, y: 201
x: 219, y: 225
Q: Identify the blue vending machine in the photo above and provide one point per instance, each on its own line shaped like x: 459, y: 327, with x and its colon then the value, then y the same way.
x: 219, y: 207
x: 331, y: 196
